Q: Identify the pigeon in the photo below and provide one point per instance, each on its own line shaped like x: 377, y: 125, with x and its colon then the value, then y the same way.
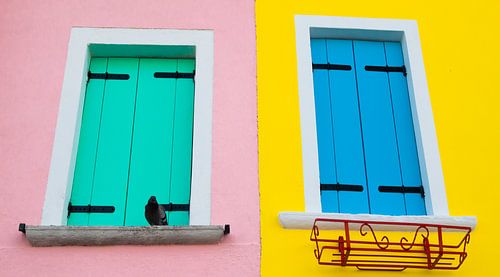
x: 155, y: 213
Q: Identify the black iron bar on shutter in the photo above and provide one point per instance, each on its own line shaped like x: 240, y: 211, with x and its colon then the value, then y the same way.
x: 176, y: 207
x: 174, y: 75
x: 329, y: 66
x: 89, y: 209
x: 107, y: 76
x: 401, y: 69
x: 341, y: 187
x: 400, y: 189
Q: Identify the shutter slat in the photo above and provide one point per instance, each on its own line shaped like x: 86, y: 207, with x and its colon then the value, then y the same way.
x: 114, y: 145
x: 151, y: 160
x: 349, y: 157
x: 87, y: 144
x: 324, y: 128
x: 410, y: 169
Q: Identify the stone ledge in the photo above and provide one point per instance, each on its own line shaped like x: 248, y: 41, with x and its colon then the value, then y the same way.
x: 42, y: 236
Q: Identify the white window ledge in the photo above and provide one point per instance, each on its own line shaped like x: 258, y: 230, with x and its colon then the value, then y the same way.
x: 305, y: 220
x: 41, y: 236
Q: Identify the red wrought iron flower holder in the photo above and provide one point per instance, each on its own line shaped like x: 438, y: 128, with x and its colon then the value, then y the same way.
x: 366, y: 245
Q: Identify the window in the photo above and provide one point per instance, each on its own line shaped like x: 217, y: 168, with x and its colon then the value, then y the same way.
x: 362, y: 36
x: 367, y: 153
x: 135, y: 141
x: 131, y: 155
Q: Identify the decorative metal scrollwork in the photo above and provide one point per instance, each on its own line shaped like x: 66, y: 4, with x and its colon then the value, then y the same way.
x: 429, y: 248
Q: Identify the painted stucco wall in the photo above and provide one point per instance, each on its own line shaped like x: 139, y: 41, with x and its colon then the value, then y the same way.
x: 33, y: 41
x: 460, y: 42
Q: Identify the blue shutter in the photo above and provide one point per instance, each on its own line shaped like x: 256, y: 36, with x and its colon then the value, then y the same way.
x: 364, y: 128
x: 324, y: 127
x: 410, y: 169
x: 349, y: 157
x: 381, y: 151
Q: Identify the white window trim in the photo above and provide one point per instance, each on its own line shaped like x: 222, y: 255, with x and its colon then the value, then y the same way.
x: 406, y: 32
x: 67, y: 131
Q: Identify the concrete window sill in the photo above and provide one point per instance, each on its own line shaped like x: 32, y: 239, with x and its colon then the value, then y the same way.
x: 42, y: 236
x: 305, y: 220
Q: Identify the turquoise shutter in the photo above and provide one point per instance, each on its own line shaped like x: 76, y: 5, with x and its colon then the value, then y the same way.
x: 87, y: 147
x: 114, y: 142
x: 151, y: 163
x: 180, y: 184
x: 135, y: 141
x: 162, y: 141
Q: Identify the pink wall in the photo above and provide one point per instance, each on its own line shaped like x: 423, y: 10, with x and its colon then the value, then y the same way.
x: 33, y: 43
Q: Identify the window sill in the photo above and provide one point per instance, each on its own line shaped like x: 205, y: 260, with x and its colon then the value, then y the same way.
x: 305, y: 220
x: 42, y: 236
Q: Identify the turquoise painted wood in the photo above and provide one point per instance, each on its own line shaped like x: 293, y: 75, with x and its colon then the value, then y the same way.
x: 151, y: 160
x: 182, y: 145
x: 136, y: 141
x: 410, y: 169
x: 380, y: 143
x: 114, y: 145
x: 87, y: 144
x: 349, y: 157
x: 324, y: 126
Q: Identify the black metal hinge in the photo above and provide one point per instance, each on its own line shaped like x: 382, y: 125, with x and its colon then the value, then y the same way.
x: 331, y: 66
x: 401, y: 69
x: 176, y: 207
x: 341, y: 187
x: 89, y: 209
x: 107, y: 76
x: 400, y: 189
x: 175, y: 75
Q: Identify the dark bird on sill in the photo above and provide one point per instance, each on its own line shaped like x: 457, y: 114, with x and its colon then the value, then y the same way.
x: 155, y: 213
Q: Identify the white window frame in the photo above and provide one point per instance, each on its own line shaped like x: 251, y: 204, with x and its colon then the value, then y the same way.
x: 405, y: 32
x: 138, y: 42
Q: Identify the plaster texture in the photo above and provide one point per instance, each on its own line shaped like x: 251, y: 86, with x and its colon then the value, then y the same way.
x: 34, y: 38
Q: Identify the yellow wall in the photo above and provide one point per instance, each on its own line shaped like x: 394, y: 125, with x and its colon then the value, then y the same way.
x: 461, y: 49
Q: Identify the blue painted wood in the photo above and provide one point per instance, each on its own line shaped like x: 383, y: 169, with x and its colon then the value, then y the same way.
x: 324, y: 128
x: 349, y: 157
x: 381, y: 152
x: 410, y: 169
